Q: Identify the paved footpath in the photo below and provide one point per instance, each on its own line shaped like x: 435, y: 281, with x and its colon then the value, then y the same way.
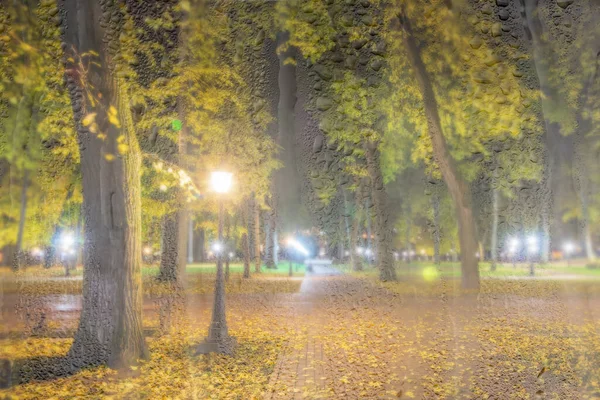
x: 299, y: 370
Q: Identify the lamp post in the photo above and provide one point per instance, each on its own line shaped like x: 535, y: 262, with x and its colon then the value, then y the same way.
x: 218, y: 340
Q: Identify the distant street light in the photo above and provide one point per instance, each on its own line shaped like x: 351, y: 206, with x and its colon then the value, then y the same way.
x: 360, y: 250
x: 218, y: 340
x: 513, y: 247
x: 568, y: 247
x: 295, y: 245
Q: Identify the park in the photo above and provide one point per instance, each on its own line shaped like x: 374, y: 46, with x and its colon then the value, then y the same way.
x: 299, y: 199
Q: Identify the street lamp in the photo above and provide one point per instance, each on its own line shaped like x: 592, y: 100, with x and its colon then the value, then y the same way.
x: 513, y: 246
x: 295, y: 245
x: 218, y: 340
x: 568, y: 247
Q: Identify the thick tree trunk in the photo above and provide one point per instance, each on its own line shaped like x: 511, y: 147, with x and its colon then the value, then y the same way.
x: 110, y: 325
x: 436, y: 228
x: 494, y: 238
x: 383, y: 234
x: 457, y: 187
x: 257, y: 258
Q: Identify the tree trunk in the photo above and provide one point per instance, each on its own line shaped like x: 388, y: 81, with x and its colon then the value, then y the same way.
x: 457, y: 187
x: 287, y: 189
x: 407, y: 244
x: 551, y: 100
x: 175, y: 229
x: 270, y: 239
x: 246, y: 245
x: 368, y: 217
x: 275, y: 247
x: 436, y: 228
x: 199, y: 245
x: 173, y: 247
x: 227, y: 247
x: 355, y: 260
x: 494, y: 238
x: 110, y: 326
x: 190, y: 232
x: 383, y: 234
x: 582, y: 159
x: 19, y: 261
x: 257, y: 258
x: 348, y: 235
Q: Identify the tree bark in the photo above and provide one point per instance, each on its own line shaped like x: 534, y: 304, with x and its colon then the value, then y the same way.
x: 408, y: 245
x: 582, y: 160
x: 494, y: 238
x: 270, y: 239
x: 436, y: 228
x: 257, y: 258
x: 190, y: 233
x: 543, y: 58
x: 368, y: 217
x: 457, y: 187
x: 287, y: 190
x: 175, y: 229
x: 110, y: 326
x: 20, y: 259
x: 355, y: 260
x: 173, y: 248
x: 227, y: 247
x: 383, y: 236
x: 199, y: 245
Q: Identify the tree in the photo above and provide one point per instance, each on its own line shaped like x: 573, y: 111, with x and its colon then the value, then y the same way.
x: 461, y: 92
x: 110, y: 326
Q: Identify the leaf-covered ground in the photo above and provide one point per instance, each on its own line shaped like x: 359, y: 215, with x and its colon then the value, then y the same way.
x: 348, y: 336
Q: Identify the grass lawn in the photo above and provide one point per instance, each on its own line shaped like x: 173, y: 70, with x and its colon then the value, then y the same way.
x: 147, y: 270
x: 430, y: 272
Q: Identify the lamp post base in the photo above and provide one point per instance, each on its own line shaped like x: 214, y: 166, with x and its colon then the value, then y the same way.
x: 225, y: 345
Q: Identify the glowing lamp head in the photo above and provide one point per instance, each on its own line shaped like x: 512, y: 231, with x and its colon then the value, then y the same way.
x: 359, y: 250
x: 217, y: 247
x: 221, y: 181
x: 67, y: 240
x: 568, y: 247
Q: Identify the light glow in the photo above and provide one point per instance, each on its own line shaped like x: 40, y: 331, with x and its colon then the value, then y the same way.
x: 217, y: 247
x: 294, y: 244
x: 221, y: 181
